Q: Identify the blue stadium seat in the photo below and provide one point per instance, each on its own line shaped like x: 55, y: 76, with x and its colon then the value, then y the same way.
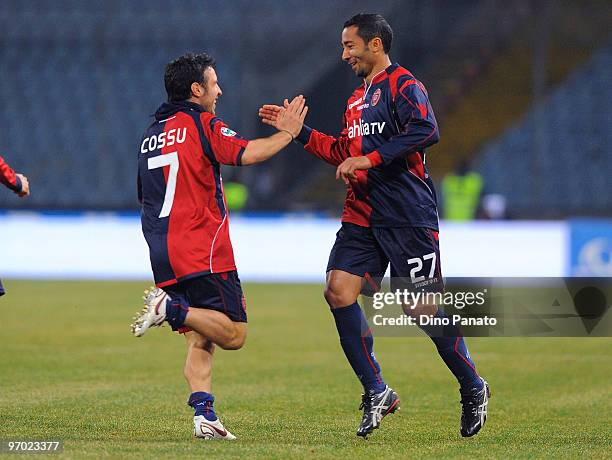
x: 558, y: 155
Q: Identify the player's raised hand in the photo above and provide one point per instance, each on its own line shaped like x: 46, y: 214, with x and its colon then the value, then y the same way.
x: 25, y: 185
x: 269, y: 113
x: 288, y: 119
x: 346, y: 170
x: 291, y: 117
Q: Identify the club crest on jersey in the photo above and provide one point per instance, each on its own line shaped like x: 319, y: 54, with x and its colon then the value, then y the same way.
x: 375, y: 97
x: 227, y: 132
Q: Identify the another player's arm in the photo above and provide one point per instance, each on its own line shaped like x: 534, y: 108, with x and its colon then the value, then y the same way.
x: 289, y: 123
x: 333, y: 150
x: 18, y: 183
x: 233, y: 150
x: 419, y: 131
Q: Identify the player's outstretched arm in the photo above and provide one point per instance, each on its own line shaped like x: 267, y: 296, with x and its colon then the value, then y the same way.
x: 18, y: 183
x: 289, y: 121
x: 333, y: 150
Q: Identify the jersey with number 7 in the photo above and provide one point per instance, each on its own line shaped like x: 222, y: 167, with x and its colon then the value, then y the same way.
x: 184, y: 213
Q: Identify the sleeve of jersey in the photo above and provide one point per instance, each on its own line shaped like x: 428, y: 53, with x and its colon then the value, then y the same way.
x: 227, y: 145
x: 8, y: 177
x: 333, y: 150
x: 419, y: 128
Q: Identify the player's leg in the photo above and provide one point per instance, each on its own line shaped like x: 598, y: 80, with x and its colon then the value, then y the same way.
x: 341, y: 292
x: 198, y: 373
x: 200, y: 305
x: 199, y: 361
x: 452, y: 348
x: 217, y: 328
x: 211, y: 310
x: 222, y: 317
x: 222, y: 321
x: 1, y: 289
x: 404, y: 246
x: 354, y: 255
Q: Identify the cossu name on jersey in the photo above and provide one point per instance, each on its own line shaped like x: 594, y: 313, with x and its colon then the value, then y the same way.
x: 174, y: 136
x: 365, y: 129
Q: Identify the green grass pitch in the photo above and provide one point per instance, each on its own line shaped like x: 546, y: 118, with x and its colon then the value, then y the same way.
x: 70, y: 369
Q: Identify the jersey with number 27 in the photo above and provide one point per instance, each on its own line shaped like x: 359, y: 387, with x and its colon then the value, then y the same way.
x: 184, y: 214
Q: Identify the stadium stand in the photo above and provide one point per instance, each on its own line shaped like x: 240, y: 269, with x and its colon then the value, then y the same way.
x: 77, y: 80
x: 556, y: 160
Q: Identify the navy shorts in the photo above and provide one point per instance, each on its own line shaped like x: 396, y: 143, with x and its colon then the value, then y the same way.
x: 217, y: 291
x: 1, y: 289
x: 413, y: 252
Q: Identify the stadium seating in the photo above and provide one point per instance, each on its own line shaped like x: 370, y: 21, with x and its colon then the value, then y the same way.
x: 556, y: 160
x: 78, y: 79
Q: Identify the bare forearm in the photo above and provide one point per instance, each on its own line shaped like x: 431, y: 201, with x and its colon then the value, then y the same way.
x: 259, y: 150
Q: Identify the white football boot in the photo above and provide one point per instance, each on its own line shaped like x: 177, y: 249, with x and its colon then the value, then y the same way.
x: 205, y: 429
x: 154, y: 312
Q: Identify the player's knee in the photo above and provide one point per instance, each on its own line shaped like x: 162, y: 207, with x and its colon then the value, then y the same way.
x: 342, y: 288
x: 235, y: 344
x: 236, y: 339
x: 337, y: 297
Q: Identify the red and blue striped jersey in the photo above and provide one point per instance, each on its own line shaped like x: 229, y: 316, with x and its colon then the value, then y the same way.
x: 391, y: 121
x: 184, y: 213
x: 8, y: 177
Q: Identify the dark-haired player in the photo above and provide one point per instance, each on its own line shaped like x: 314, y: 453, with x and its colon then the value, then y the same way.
x: 185, y: 222
x: 18, y: 183
x: 390, y: 214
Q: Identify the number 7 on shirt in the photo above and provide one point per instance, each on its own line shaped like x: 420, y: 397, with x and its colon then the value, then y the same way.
x: 169, y: 159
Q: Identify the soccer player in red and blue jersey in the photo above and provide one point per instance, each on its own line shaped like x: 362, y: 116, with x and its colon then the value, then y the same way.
x: 185, y: 222
x: 390, y: 214
x: 18, y: 183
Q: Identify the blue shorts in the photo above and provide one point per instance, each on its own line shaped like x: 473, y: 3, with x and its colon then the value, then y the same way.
x: 1, y: 289
x: 216, y: 291
x: 413, y: 252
